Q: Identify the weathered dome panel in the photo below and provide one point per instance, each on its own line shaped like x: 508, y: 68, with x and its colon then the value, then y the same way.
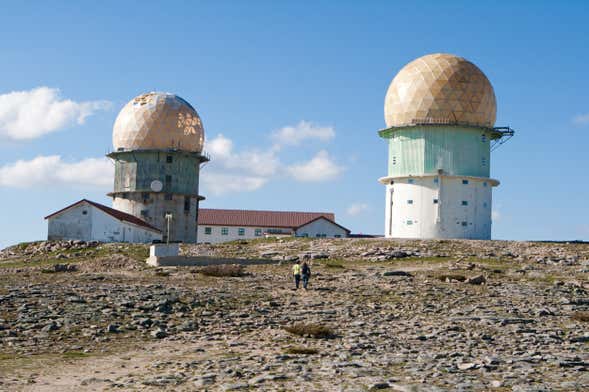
x: 440, y: 89
x: 158, y: 121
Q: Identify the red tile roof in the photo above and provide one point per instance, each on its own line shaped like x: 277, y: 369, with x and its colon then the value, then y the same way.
x: 269, y: 219
x: 120, y: 215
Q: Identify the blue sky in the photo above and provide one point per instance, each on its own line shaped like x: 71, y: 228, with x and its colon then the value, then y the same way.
x: 254, y: 69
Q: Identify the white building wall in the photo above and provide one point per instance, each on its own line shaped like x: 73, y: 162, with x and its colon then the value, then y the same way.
x: 321, y: 228
x: 71, y: 224
x: 96, y: 225
x: 414, y: 214
x: 216, y: 235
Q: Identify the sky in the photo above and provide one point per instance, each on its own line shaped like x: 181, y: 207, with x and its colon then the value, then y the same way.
x: 291, y: 97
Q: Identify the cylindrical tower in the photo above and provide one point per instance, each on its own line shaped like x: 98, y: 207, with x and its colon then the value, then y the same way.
x: 440, y: 112
x: 158, y: 140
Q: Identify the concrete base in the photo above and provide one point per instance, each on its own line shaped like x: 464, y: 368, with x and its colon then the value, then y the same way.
x: 185, y: 261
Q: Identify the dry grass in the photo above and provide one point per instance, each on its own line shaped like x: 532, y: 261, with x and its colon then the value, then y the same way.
x: 223, y: 270
x: 451, y: 277
x: 581, y: 316
x: 312, y: 330
x: 302, y: 350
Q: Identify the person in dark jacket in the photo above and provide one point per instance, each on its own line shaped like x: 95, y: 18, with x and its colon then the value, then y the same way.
x: 306, y: 274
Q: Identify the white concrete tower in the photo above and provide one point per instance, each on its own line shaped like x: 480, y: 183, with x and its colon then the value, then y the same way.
x: 440, y: 113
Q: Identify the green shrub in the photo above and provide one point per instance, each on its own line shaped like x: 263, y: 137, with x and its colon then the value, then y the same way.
x: 223, y: 270
x: 302, y: 350
x: 313, y: 330
x: 581, y: 316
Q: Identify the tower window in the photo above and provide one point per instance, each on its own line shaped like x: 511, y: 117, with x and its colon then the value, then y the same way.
x: 410, y: 181
x: 464, y: 202
x: 464, y: 182
x: 483, y: 138
x: 84, y: 212
x: 394, y: 160
x: 186, y: 203
x: 208, y: 230
x: 435, y: 201
x: 169, y: 159
x: 241, y: 231
x: 485, y: 183
x: 224, y: 231
x: 409, y: 201
x: 168, y: 181
x: 168, y: 196
x: 409, y: 222
x: 484, y: 161
x: 464, y: 224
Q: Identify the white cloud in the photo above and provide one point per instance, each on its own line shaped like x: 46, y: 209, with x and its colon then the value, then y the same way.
x: 219, y: 183
x: 245, y: 170
x: 581, y: 119
x: 319, y: 168
x: 34, y: 113
x: 230, y: 171
x: 356, y: 209
x: 294, y: 135
x: 52, y: 171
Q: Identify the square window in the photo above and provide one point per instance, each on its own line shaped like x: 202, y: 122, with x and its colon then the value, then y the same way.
x: 84, y: 212
x: 169, y: 159
x: 258, y: 233
x: 208, y: 230
x: 464, y: 182
x: 464, y: 202
x: 464, y: 224
x: 435, y: 201
x: 410, y: 181
x: 224, y: 231
x: 485, y: 183
x: 241, y: 231
x: 409, y: 201
x: 409, y: 222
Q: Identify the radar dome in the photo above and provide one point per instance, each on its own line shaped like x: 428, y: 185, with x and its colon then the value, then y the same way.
x: 158, y: 121
x: 440, y: 89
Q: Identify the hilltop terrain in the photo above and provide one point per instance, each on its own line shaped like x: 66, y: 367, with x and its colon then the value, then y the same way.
x: 379, y: 315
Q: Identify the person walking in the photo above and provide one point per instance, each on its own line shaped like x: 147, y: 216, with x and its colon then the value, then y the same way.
x: 296, y: 271
x: 306, y: 273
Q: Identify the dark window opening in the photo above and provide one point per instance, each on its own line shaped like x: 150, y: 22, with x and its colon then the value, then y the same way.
x: 169, y: 159
x: 168, y: 181
x: 435, y: 201
x: 168, y: 196
x: 186, y: 203
x: 84, y: 212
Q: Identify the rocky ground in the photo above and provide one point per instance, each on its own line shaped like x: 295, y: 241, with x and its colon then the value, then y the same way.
x: 394, y: 315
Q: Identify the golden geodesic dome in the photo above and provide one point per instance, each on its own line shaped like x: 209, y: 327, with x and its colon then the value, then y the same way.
x: 158, y: 121
x: 440, y: 89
